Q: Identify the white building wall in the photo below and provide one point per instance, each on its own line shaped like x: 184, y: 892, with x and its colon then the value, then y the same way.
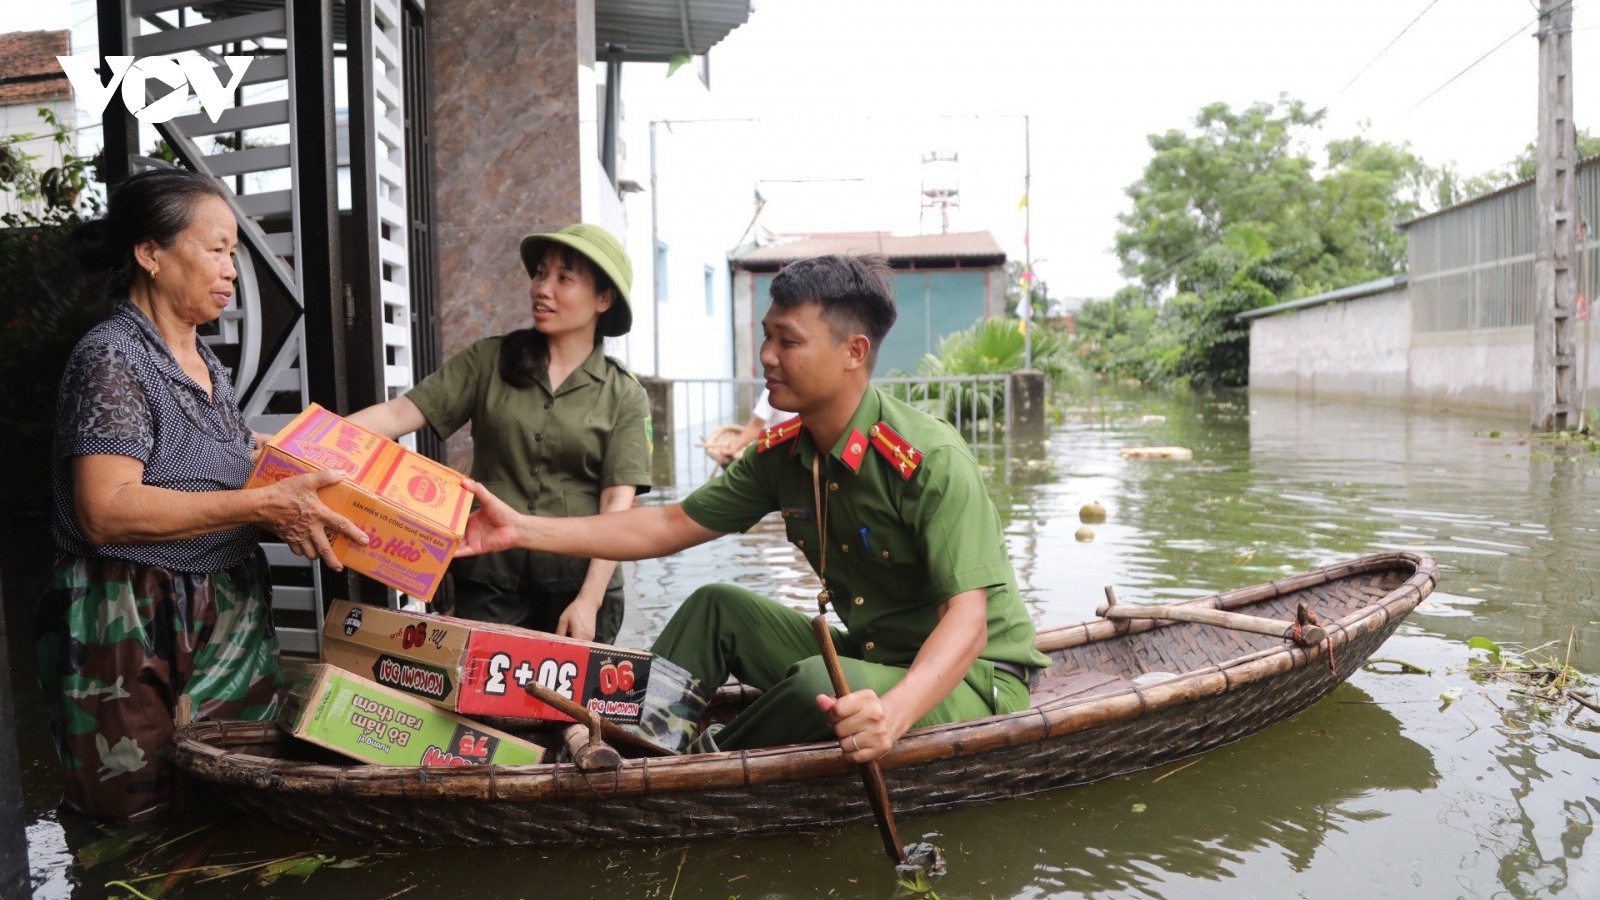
x: 1489, y: 369
x: 1354, y: 348
x: 1365, y: 349
x: 697, y: 210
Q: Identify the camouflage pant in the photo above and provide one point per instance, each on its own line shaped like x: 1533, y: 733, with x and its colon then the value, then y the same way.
x: 119, y: 643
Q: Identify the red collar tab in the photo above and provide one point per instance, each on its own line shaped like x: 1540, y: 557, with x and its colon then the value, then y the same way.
x: 900, y: 454
x: 777, y: 434
x: 855, y: 448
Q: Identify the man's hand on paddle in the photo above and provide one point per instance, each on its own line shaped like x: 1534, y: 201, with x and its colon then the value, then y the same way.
x: 865, y: 725
x: 492, y: 527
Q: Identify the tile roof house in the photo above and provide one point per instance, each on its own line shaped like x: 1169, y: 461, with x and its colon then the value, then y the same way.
x: 29, y: 72
x: 942, y: 283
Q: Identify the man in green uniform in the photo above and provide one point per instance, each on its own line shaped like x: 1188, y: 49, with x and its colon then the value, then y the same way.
x: 887, y: 504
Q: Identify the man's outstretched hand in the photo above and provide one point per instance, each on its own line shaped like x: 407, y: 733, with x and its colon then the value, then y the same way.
x: 493, y: 527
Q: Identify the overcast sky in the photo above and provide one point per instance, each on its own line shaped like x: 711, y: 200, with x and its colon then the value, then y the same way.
x: 1094, y: 79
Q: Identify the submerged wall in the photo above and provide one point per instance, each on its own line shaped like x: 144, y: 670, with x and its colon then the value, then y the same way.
x: 1367, y: 348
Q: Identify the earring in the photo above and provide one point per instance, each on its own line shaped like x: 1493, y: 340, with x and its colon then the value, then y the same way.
x: 152, y: 274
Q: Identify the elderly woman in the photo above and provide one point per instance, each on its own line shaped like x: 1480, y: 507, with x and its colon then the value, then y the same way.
x: 160, y: 591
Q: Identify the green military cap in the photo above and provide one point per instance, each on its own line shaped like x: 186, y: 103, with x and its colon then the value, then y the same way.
x: 602, y: 249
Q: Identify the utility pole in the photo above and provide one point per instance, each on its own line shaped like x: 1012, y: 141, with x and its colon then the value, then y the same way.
x: 1555, y: 283
x: 1027, y: 243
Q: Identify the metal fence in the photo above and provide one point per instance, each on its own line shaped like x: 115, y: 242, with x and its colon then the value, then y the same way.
x: 1471, y: 267
x: 974, y: 404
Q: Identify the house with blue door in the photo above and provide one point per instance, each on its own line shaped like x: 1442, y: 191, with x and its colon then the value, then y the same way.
x: 943, y: 283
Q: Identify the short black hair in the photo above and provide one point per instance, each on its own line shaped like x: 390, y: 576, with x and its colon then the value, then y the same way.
x: 856, y: 293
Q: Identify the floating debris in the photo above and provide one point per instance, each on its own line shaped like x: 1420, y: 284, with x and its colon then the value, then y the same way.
x: 1091, y: 513
x: 1155, y: 453
x: 914, y: 878
x: 1536, y: 674
x: 1084, y: 535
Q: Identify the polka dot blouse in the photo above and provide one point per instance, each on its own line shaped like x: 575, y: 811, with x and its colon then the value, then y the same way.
x: 123, y: 394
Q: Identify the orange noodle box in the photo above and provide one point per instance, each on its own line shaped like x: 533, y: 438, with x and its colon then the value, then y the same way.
x: 413, y: 509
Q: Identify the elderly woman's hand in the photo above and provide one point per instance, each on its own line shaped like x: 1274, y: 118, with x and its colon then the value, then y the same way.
x: 290, y: 509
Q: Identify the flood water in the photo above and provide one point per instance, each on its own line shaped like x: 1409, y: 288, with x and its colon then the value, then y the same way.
x: 1383, y: 789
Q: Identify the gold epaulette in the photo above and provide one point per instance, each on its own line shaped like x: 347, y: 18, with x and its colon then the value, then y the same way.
x: 900, y: 454
x: 776, y: 434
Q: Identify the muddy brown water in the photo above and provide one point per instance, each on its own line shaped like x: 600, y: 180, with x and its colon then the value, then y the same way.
x: 1383, y: 789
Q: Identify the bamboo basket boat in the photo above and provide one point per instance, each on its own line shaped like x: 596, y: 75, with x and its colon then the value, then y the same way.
x: 1089, y: 720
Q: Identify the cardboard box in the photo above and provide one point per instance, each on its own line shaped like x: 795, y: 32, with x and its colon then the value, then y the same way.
x: 479, y: 669
x: 413, y: 509
x: 348, y: 714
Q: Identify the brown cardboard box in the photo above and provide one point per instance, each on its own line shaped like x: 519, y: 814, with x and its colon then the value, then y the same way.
x: 479, y: 669
x: 348, y: 714
x: 413, y: 509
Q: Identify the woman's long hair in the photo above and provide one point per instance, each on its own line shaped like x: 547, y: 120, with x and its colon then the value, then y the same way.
x: 525, y: 353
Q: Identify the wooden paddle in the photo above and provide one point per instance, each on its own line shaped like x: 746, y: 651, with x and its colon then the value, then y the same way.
x: 1309, y: 634
x: 871, y: 775
x: 598, y: 726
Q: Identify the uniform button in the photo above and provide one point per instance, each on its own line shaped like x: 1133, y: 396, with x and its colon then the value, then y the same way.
x: 844, y: 548
x: 870, y: 645
x: 548, y: 404
x: 860, y: 600
x: 833, y: 485
x: 885, y: 554
x: 538, y: 436
x: 534, y: 471
x: 801, y: 543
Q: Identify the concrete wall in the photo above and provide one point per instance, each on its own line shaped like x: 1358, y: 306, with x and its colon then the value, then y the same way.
x: 994, y: 292
x: 1485, y: 369
x: 1366, y: 349
x: 1354, y: 348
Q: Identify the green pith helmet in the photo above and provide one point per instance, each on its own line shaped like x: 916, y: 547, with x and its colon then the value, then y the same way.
x: 602, y: 249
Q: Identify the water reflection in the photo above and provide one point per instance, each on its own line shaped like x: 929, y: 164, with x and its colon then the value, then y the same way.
x: 1287, y: 789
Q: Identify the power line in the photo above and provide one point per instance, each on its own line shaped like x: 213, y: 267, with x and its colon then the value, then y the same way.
x: 1385, y: 49
x: 1492, y: 50
x: 1470, y: 66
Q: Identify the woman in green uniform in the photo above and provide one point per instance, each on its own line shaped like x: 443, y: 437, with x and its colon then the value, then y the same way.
x: 558, y: 429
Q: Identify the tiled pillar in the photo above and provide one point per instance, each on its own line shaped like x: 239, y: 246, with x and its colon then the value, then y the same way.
x: 506, y: 163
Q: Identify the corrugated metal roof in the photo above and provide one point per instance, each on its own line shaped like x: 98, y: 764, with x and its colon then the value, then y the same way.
x: 969, y: 247
x: 1364, y: 289
x: 657, y: 30
x: 1581, y: 164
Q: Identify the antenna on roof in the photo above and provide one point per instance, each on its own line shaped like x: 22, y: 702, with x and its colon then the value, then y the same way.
x: 941, y: 187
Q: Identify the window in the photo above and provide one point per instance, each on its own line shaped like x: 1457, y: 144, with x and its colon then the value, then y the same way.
x: 711, y: 295
x: 661, y: 272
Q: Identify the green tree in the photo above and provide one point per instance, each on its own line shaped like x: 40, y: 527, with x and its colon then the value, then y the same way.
x: 1040, y: 292
x: 1453, y: 188
x: 1239, y: 273
x: 1233, y: 167
x: 1119, y: 337
x: 1235, y: 213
